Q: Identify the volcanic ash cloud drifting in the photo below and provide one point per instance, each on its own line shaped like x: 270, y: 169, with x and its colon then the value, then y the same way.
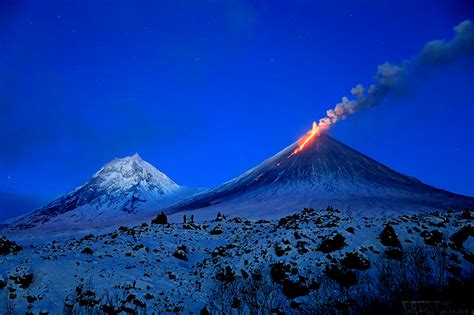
x: 389, y: 76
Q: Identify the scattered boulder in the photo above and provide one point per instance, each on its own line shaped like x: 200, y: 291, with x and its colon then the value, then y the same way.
x: 226, y: 275
x: 236, y: 220
x: 31, y: 299
x: 388, y: 237
x: 278, y: 272
x: 290, y: 222
x: 139, y: 303
x: 8, y: 247
x: 355, y: 260
x: 291, y: 288
x: 219, y: 251
x: 432, y: 238
x: 109, y: 309
x: 123, y: 228
x: 301, y: 247
x: 149, y: 296
x: 87, y: 251
x: 351, y: 230
x: 138, y: 247
x: 91, y: 236
x: 161, y: 218
x: 23, y: 279
x: 341, y: 275
x: 280, y: 250
x: 459, y: 237
x: 217, y: 230
x: 180, y: 254
x: 192, y: 226
x: 183, y: 248
x: 394, y: 253
x: 204, y: 311
x: 86, y: 298
x: 294, y: 289
x: 336, y: 242
x: 219, y: 217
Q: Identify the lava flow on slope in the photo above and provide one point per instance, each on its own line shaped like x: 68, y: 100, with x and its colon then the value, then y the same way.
x: 308, y: 137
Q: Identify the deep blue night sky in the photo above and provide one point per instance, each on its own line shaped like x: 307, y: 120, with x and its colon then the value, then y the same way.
x: 204, y: 90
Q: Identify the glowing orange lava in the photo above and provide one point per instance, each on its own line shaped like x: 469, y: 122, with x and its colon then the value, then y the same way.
x: 305, y: 139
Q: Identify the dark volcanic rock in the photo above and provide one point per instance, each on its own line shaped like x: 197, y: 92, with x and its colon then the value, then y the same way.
x: 355, y: 260
x: 289, y: 222
x: 161, y: 218
x: 351, y: 230
x: 180, y: 254
x: 8, y: 247
x: 336, y: 242
x: 461, y: 236
x: 24, y: 280
x: 294, y: 289
x: 87, y: 251
x: 280, y: 251
x: 216, y: 231
x: 394, y: 253
x: 434, y: 237
x: 388, y: 237
x: 226, y: 275
x: 341, y: 275
x: 278, y: 272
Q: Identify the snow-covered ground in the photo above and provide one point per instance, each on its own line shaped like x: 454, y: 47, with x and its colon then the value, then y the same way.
x: 173, y: 267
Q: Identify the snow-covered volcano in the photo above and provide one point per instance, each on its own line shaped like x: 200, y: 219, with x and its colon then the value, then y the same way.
x: 121, y: 188
x: 325, y: 173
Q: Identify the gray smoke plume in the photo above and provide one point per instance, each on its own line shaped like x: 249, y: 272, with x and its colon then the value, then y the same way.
x: 390, y: 76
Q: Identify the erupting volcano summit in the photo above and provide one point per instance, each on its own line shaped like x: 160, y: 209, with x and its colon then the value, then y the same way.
x: 306, y: 139
x: 318, y: 171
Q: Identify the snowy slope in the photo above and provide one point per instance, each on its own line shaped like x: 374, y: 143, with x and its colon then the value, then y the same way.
x: 120, y: 189
x: 326, y: 172
x: 138, y: 267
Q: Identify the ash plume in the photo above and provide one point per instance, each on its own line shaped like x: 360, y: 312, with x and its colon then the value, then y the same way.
x: 390, y: 76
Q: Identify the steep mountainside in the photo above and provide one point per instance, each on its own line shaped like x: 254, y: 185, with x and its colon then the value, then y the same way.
x: 121, y: 188
x: 326, y: 172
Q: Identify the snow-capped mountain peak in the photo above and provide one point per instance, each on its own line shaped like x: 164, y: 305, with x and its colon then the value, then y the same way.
x: 133, y: 172
x: 121, y: 187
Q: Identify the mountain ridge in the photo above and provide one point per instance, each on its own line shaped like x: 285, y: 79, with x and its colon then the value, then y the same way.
x: 325, y: 173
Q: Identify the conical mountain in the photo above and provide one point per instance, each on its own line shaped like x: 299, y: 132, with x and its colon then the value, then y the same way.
x: 119, y: 189
x: 324, y: 173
